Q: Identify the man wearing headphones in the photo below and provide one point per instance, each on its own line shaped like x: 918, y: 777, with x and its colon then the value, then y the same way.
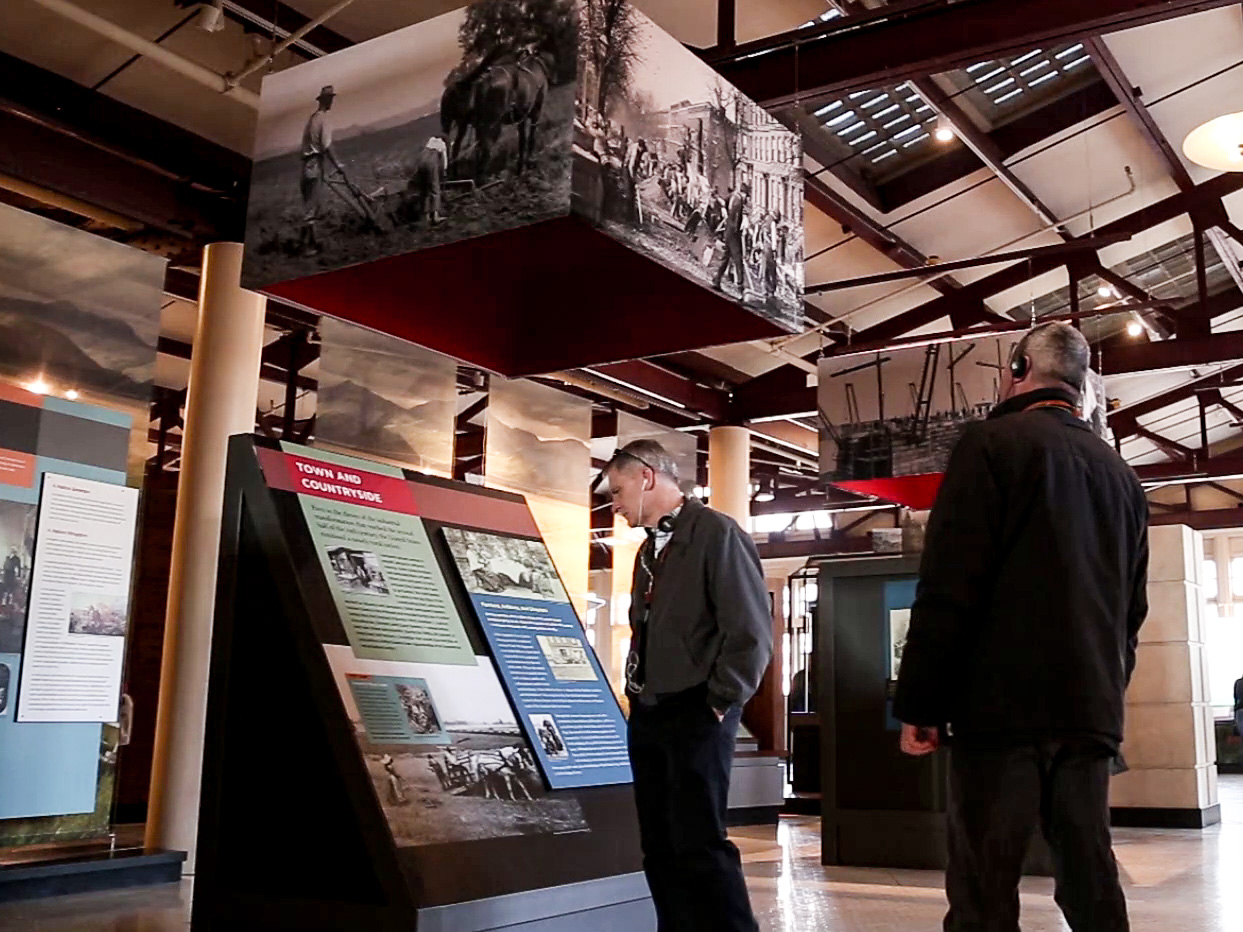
x: 1022, y: 642
x: 701, y: 638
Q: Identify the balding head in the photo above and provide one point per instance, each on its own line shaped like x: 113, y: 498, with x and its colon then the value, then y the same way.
x: 1058, y: 356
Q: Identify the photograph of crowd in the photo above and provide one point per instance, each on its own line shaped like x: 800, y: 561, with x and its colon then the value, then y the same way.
x: 567, y: 658
x: 545, y: 726
x: 674, y: 161
x: 17, y: 538
x: 491, y: 564
x: 357, y: 570
x: 98, y: 613
x: 485, y: 783
x: 452, y: 128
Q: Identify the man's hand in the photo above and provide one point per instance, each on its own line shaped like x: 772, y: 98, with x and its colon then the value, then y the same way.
x: 917, y: 740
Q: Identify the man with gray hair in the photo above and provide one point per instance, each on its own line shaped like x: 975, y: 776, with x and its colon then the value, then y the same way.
x: 701, y: 638
x: 1022, y: 641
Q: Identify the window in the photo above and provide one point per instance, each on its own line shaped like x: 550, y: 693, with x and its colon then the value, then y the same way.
x: 1210, y: 579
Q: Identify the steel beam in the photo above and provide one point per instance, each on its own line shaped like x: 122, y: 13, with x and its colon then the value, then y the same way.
x: 820, y: 196
x: 710, y: 403
x: 913, y: 39
x: 1181, y: 353
x: 1209, y: 520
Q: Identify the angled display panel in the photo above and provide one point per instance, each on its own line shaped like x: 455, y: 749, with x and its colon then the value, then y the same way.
x: 418, y: 763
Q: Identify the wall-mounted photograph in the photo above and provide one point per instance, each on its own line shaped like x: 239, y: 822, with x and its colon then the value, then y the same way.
x: 99, y: 613
x: 492, y: 564
x: 17, y: 538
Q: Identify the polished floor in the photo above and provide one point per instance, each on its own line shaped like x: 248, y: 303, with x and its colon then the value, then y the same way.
x: 1174, y: 879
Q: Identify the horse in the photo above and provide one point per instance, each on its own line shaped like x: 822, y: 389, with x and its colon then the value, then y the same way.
x: 510, y: 93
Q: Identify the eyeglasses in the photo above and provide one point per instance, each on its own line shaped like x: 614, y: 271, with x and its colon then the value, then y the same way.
x: 618, y: 457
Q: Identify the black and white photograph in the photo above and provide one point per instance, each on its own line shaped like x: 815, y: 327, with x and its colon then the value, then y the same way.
x: 545, y: 726
x: 6, y: 680
x: 677, y: 163
x: 492, y: 564
x: 357, y: 571
x: 485, y: 783
x: 98, y: 613
x: 79, y: 313
x: 567, y: 658
x: 899, y: 627
x: 17, y: 539
x: 452, y: 128
x: 385, y: 398
x: 416, y: 701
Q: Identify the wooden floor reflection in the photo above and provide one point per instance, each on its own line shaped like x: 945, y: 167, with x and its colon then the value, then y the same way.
x: 1174, y: 880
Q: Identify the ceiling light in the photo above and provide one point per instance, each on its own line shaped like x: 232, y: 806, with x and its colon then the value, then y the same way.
x: 1134, y: 329
x: 1217, y: 144
x: 945, y: 130
x: 38, y: 386
x: 211, y: 16
x: 72, y: 394
x: 1105, y: 291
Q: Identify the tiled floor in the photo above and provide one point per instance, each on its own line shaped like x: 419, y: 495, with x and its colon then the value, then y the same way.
x: 1175, y: 880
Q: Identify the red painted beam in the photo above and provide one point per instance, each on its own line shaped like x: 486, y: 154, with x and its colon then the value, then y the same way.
x: 709, y: 402
x: 1201, y: 520
x: 1217, y: 467
x: 1184, y: 352
x: 913, y: 39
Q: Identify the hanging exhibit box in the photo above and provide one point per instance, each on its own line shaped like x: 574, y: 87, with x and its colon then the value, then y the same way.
x: 496, y: 168
x: 79, y: 602
x: 340, y: 603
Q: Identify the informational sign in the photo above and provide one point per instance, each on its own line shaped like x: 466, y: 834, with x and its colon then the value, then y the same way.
x: 563, y: 699
x: 384, y: 577
x: 397, y: 709
x: 79, y: 602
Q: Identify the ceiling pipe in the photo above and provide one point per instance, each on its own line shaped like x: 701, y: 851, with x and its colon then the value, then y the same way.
x: 148, y: 49
x: 233, y: 80
x: 70, y: 204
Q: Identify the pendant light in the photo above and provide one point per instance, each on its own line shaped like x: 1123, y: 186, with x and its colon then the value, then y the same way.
x: 1217, y: 144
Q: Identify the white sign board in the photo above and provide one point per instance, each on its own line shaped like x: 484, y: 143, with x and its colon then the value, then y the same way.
x: 79, y: 602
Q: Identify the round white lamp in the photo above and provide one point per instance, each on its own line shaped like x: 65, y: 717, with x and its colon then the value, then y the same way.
x: 1218, y: 144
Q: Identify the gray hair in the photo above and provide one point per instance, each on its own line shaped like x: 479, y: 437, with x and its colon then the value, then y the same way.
x: 1059, y: 352
x: 647, y: 453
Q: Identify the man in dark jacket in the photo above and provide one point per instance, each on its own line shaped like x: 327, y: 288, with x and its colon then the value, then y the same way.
x: 1022, y: 642
x: 701, y: 638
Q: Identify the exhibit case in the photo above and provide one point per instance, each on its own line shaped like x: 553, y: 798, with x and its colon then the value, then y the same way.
x: 405, y: 720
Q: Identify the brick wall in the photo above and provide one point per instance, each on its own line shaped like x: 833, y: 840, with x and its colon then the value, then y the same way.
x: 874, y: 449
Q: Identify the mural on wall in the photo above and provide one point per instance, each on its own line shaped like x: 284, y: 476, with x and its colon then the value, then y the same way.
x: 900, y: 413
x: 452, y: 128
x: 383, y: 397
x: 678, y: 164
x: 78, y: 313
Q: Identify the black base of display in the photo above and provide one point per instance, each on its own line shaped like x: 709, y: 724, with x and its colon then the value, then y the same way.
x: 803, y: 804
x: 89, y: 873
x: 612, y: 904
x: 753, y: 815
x: 1164, y: 818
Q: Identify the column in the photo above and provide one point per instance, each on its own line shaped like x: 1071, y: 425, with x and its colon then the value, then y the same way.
x: 1169, y: 738
x: 729, y: 471
x: 224, y: 383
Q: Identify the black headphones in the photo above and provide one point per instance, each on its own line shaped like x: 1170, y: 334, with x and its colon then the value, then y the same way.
x: 1020, y: 365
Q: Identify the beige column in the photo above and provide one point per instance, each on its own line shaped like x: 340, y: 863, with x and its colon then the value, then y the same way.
x: 224, y: 384
x: 729, y: 471
x: 1169, y: 739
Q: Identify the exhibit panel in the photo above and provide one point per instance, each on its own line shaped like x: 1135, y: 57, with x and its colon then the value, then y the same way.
x: 79, y: 321
x: 431, y: 730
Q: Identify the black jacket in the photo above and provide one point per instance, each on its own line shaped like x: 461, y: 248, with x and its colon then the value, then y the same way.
x: 711, y: 618
x: 1032, y: 584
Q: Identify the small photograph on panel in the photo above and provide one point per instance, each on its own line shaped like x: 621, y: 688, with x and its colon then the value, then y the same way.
x: 357, y: 570
x: 545, y: 727
x: 567, y: 658
x: 492, y: 564
x: 101, y: 613
x: 17, y: 537
x: 899, y: 628
x: 6, y: 677
x: 416, y: 700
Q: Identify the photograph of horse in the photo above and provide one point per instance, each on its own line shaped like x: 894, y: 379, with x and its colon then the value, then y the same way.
x: 456, y: 127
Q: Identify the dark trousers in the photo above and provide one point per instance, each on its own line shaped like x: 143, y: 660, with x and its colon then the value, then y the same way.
x: 997, y: 797
x: 681, y: 757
